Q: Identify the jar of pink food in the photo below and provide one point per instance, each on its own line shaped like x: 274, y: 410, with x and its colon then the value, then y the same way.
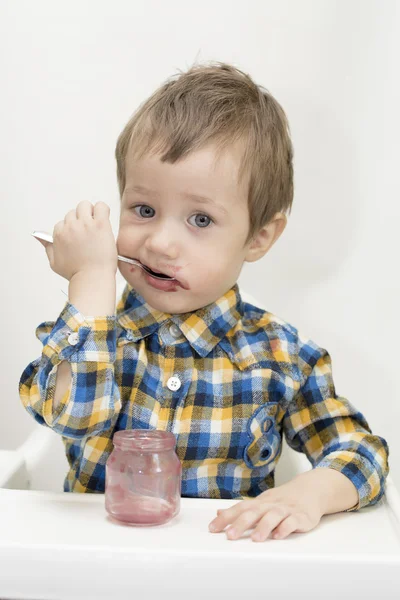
x: 143, y: 477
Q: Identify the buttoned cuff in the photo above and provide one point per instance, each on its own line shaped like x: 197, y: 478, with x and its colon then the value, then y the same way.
x: 80, y: 338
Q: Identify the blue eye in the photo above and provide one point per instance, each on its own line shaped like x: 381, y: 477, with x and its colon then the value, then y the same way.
x: 202, y: 221
x: 145, y: 207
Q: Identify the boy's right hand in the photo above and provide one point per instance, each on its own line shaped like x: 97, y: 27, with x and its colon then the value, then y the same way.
x: 83, y: 242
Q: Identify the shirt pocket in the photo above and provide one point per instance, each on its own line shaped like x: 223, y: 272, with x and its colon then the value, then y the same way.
x: 265, y: 440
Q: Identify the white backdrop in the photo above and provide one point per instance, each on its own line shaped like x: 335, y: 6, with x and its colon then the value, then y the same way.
x: 73, y: 73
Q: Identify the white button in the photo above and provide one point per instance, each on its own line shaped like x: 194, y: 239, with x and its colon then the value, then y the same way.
x: 175, y: 331
x: 73, y: 338
x: 173, y: 383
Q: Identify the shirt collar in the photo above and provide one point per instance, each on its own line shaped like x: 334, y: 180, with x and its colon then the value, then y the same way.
x: 203, y: 328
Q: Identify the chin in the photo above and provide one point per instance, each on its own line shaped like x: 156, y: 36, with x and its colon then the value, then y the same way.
x: 170, y: 304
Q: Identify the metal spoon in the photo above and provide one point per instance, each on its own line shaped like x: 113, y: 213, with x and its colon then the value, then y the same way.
x: 42, y: 235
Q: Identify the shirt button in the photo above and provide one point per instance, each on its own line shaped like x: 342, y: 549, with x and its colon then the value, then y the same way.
x: 73, y: 338
x: 174, y: 383
x: 175, y: 331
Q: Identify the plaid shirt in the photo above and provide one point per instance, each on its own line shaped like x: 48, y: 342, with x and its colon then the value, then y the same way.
x: 244, y: 378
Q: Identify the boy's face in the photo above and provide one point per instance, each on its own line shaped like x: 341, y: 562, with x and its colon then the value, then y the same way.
x: 166, y: 228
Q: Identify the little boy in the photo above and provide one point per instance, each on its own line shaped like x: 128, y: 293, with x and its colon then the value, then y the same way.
x: 205, y: 177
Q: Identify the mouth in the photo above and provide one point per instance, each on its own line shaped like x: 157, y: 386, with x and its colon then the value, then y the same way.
x: 156, y: 272
x: 166, y: 277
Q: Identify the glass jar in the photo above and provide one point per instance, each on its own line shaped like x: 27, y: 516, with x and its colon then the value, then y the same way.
x: 143, y: 477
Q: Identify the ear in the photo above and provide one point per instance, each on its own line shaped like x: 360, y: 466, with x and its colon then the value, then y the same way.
x: 266, y: 238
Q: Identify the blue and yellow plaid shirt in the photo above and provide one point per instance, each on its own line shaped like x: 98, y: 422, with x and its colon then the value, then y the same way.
x: 242, y: 379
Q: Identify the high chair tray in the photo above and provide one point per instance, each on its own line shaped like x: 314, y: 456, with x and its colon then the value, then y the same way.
x: 60, y: 546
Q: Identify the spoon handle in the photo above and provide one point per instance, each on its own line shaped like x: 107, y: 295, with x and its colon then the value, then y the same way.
x: 46, y: 237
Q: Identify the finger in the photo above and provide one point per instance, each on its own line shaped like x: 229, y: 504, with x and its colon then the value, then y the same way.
x: 246, y: 520
x: 58, y: 227
x: 101, y: 211
x: 227, y: 515
x: 84, y: 210
x: 286, y: 527
x: 70, y: 216
x: 303, y: 524
x: 272, y: 519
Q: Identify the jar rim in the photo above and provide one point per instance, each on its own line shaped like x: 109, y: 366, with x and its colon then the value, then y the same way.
x: 144, y: 440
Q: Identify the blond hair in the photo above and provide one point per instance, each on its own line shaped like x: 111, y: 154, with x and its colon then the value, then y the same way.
x: 216, y: 102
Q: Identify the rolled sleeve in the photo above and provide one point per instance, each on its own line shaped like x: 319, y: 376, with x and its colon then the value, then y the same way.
x: 92, y: 401
x: 95, y: 337
x: 332, y: 432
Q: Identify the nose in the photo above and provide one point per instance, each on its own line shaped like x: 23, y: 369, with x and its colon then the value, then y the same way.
x: 162, y: 241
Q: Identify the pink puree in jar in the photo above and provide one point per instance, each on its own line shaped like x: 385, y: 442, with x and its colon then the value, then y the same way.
x: 143, y: 477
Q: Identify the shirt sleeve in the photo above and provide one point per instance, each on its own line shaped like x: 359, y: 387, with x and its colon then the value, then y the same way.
x: 92, y: 402
x: 331, y: 432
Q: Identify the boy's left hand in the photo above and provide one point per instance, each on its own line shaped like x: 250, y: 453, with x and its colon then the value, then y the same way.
x: 278, y: 511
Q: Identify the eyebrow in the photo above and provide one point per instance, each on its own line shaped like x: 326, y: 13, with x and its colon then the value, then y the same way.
x: 195, y: 197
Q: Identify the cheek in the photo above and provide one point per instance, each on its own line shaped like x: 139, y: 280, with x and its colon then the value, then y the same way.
x: 125, y: 236
x: 212, y: 265
x: 220, y: 252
